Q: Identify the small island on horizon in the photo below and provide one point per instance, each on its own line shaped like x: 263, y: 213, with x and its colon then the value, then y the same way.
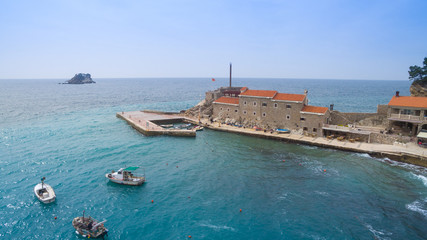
x: 80, y: 78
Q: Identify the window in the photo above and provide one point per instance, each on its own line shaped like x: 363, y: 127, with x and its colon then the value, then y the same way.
x: 244, y: 103
x: 275, y: 105
x: 235, y: 110
x: 220, y: 109
x: 228, y: 109
x: 302, y: 119
x: 304, y: 129
x: 254, y: 113
x: 244, y: 112
x: 263, y: 114
x: 288, y: 117
x: 254, y: 103
x: 407, y: 112
x: 264, y: 104
x: 314, y: 129
x: 288, y: 106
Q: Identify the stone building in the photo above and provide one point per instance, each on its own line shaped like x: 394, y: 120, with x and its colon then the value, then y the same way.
x: 407, y: 115
x: 270, y: 109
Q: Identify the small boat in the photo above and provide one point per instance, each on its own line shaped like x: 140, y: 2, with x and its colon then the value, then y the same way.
x: 126, y: 177
x: 167, y: 126
x: 198, y: 128
x: 89, y: 227
x: 185, y: 126
x: 280, y: 130
x: 44, y: 192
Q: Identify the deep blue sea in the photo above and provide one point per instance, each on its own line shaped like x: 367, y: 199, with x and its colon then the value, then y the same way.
x: 70, y: 135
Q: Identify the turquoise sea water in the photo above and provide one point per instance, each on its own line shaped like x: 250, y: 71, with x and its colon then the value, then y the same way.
x: 70, y: 135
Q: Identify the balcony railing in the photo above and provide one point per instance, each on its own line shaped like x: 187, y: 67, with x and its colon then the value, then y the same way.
x: 407, y: 117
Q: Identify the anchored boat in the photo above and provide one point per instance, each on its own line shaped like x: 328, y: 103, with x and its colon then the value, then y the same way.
x: 44, y: 192
x: 89, y: 227
x: 126, y: 177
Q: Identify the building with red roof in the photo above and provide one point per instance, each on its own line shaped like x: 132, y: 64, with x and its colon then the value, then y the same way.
x: 270, y: 109
x: 407, y: 114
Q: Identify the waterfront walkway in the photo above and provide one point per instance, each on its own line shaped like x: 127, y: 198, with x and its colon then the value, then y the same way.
x: 409, y: 152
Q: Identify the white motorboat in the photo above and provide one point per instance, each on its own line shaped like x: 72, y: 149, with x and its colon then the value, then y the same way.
x: 198, y: 128
x: 126, y: 177
x: 44, y: 192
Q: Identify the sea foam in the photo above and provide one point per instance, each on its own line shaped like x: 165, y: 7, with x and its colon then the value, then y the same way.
x: 418, y: 206
x: 421, y: 177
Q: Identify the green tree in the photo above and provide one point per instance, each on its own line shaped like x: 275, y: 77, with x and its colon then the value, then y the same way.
x: 417, y: 73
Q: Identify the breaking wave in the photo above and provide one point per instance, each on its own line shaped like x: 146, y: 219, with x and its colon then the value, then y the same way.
x: 419, y: 207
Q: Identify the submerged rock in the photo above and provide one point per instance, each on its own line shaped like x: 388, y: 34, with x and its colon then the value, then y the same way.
x: 80, y: 78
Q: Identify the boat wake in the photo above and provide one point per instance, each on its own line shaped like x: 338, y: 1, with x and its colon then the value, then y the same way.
x: 217, y: 228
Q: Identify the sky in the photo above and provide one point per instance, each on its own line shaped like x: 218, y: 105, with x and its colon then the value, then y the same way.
x: 320, y: 39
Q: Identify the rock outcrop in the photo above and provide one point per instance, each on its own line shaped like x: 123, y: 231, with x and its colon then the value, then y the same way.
x: 418, y: 89
x: 80, y: 78
x: 204, y: 107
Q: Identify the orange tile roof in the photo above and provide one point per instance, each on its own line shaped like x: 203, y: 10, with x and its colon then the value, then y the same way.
x: 289, y: 97
x: 406, y: 101
x: 243, y: 89
x: 259, y: 93
x: 314, y: 109
x: 227, y: 100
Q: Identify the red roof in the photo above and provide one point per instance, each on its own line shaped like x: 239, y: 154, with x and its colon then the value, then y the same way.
x: 259, y: 93
x: 314, y: 109
x: 243, y: 89
x: 227, y: 100
x: 289, y: 97
x: 406, y: 101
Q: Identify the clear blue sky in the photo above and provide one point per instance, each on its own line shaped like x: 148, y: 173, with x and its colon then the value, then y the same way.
x: 333, y: 39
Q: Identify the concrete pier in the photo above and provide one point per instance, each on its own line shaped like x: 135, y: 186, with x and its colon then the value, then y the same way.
x: 148, y: 123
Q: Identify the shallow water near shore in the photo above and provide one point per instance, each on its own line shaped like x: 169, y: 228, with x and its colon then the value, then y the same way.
x: 70, y: 135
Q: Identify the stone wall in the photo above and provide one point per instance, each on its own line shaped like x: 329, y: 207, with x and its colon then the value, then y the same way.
x: 388, y: 139
x: 313, y: 123
x: 267, y: 113
x: 382, y: 110
x: 224, y: 111
x: 340, y: 118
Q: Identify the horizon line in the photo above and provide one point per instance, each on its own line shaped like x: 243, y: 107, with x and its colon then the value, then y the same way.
x: 284, y: 78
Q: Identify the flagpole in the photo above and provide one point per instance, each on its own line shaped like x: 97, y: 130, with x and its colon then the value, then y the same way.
x: 230, y: 75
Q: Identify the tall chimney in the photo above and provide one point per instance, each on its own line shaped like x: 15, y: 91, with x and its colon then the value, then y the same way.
x: 397, y: 93
x: 230, y: 75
